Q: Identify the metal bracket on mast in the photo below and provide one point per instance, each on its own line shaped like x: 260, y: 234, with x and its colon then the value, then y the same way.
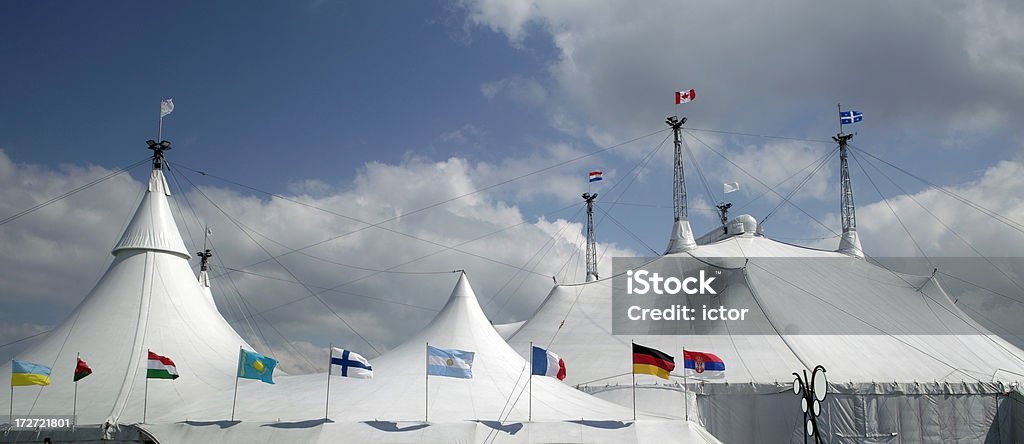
x: 204, y: 260
x: 591, y: 240
x: 158, y: 152
x: 723, y: 211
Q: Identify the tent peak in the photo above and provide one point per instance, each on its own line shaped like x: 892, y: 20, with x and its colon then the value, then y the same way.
x: 152, y: 227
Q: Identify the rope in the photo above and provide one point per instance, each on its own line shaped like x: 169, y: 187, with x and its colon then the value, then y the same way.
x: 998, y: 217
x: 762, y: 183
x: 734, y: 133
x: 947, y: 227
x: 315, y: 295
x: 421, y: 209
x: 63, y: 196
x: 803, y: 182
x: 892, y: 210
x: 700, y: 173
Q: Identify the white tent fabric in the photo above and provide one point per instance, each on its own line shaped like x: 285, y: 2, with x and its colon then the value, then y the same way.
x: 149, y: 298
x: 681, y: 238
x: 494, y: 404
x: 953, y: 382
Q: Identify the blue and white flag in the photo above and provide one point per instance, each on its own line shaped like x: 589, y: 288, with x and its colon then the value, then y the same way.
x: 449, y: 362
x: 848, y: 117
x: 350, y: 364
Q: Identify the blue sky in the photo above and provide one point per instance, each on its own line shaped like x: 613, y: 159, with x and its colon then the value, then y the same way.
x: 375, y: 109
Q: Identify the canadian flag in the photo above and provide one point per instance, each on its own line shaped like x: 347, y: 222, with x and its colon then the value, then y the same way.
x: 684, y: 96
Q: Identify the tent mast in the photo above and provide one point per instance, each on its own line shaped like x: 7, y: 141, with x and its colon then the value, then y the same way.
x: 682, y: 235
x: 678, y: 176
x: 591, y: 241
x: 846, y: 208
x: 849, y: 242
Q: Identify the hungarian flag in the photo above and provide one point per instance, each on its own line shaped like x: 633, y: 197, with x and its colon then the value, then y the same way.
x: 685, y: 96
x: 649, y: 361
x: 82, y: 370
x: 161, y: 367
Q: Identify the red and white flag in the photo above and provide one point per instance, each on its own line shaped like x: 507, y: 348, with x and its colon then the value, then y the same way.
x: 684, y: 96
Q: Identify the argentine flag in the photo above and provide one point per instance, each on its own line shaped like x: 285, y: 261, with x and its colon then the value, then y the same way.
x: 449, y: 362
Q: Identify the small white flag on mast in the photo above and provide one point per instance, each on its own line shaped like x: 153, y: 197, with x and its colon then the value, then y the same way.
x: 730, y: 187
x: 166, y: 106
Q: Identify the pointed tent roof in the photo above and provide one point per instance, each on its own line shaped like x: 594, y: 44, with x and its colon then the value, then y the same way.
x: 788, y: 292
x: 152, y: 227
x: 147, y: 299
x: 391, y: 405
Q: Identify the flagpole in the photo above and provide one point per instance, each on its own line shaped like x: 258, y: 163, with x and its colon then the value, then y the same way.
x: 426, y: 384
x: 840, y: 106
x: 74, y: 404
x: 327, y: 404
x: 160, y: 129
x: 145, y: 397
x: 633, y: 372
x: 11, y: 418
x: 529, y: 417
x: 686, y: 394
x: 235, y: 398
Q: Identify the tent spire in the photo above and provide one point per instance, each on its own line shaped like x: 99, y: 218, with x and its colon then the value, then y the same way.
x: 682, y: 235
x: 849, y: 242
x: 152, y: 227
x: 591, y: 241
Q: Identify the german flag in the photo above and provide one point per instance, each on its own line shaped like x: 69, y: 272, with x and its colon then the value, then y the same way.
x: 649, y: 361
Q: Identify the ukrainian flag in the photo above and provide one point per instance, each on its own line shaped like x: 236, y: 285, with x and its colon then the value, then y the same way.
x: 27, y: 373
x: 252, y: 365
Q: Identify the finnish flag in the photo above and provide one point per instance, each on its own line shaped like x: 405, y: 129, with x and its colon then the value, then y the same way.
x: 350, y: 364
x: 848, y: 117
x: 449, y: 362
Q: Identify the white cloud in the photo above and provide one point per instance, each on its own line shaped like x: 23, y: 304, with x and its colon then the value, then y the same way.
x: 525, y: 91
x: 756, y: 64
x: 63, y: 248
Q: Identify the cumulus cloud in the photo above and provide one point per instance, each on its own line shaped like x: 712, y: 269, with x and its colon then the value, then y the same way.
x: 757, y: 64
x: 65, y: 246
x: 525, y: 91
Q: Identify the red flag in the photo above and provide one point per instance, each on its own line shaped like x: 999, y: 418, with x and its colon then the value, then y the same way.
x: 82, y: 370
x: 685, y: 96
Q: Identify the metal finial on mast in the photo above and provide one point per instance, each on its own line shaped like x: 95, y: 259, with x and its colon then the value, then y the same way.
x: 846, y: 207
x: 679, y: 178
x: 723, y: 211
x: 591, y: 240
x: 204, y: 260
x: 158, y: 152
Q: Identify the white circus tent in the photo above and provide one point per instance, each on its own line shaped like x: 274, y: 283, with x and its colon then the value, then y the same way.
x: 894, y: 375
x: 150, y: 299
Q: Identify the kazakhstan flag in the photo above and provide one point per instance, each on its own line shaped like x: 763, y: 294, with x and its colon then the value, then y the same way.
x: 252, y: 365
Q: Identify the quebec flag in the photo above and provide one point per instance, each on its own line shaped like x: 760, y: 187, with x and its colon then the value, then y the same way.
x: 449, y: 362
x: 546, y: 363
x: 848, y: 117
